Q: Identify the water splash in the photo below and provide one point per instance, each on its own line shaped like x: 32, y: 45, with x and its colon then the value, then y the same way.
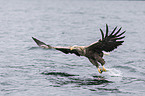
x: 114, y: 72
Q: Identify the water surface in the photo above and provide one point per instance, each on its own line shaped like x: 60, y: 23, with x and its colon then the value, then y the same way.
x: 27, y: 70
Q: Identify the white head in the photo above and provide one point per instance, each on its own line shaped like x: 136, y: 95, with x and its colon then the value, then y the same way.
x: 77, y: 47
x: 74, y: 47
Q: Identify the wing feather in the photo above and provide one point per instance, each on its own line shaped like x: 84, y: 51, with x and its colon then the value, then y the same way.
x: 121, y: 34
x: 113, y: 31
x: 120, y: 38
x: 118, y: 31
x: 41, y: 44
x: 102, y: 33
x: 106, y: 31
x: 65, y: 50
x: 109, y: 42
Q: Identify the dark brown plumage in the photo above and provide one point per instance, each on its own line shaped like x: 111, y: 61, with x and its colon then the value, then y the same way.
x: 93, y: 52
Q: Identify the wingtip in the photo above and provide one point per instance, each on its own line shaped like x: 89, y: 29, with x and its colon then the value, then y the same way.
x: 102, y: 34
x: 121, y: 34
x: 33, y: 38
x: 38, y: 42
x: 107, y: 30
x: 113, y: 31
x: 118, y: 31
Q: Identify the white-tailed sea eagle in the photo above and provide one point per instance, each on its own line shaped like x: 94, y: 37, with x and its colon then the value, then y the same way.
x: 94, y: 52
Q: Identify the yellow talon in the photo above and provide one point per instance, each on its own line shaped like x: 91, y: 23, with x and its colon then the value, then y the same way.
x: 100, y: 71
x: 104, y: 69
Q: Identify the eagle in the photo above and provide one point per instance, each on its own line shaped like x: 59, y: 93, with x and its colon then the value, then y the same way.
x: 95, y: 51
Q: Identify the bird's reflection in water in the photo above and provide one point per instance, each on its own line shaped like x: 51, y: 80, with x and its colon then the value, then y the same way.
x: 94, y: 83
x: 61, y: 78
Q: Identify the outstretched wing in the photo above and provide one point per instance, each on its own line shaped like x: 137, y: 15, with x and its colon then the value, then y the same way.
x: 65, y: 50
x: 108, y: 42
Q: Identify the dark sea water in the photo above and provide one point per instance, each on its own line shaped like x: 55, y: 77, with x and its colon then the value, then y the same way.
x: 27, y: 70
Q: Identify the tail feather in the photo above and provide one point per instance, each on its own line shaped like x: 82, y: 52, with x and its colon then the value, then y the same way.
x: 41, y: 44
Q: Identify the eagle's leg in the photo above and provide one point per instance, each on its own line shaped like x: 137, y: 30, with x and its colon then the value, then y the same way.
x: 99, y: 70
x: 104, y: 68
x: 94, y: 62
x: 101, y: 60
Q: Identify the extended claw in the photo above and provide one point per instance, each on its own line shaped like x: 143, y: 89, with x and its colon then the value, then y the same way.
x: 100, y: 70
x: 104, y: 69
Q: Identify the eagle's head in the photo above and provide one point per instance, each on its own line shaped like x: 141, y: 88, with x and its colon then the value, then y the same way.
x: 76, y: 47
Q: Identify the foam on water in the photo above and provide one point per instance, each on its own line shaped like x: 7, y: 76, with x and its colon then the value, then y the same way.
x: 114, y: 72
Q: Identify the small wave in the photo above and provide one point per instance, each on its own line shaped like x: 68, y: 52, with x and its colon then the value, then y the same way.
x: 32, y: 48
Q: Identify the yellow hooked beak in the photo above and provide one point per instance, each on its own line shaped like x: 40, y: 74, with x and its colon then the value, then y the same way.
x: 71, y: 48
